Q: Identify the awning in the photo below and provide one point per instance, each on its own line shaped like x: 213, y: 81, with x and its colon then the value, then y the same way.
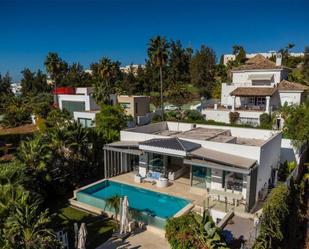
x: 224, y: 158
x: 124, y: 144
x: 253, y: 91
x: 260, y: 76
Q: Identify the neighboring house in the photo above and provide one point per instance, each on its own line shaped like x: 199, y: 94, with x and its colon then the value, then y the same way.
x: 259, y: 86
x: 222, y: 163
x: 232, y: 57
x: 133, y: 68
x: 82, y: 106
x: 16, y: 88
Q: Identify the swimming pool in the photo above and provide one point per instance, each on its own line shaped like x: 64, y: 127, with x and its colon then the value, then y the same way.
x: 148, y: 206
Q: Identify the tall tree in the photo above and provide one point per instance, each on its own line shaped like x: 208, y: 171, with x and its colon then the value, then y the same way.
x: 5, y: 90
x: 5, y: 84
x: 33, y: 82
x: 129, y: 82
x: 109, y: 121
x: 141, y: 80
x: 106, y: 73
x: 240, y: 54
x: 179, y: 64
x: 286, y: 53
x: 202, y: 69
x: 56, y: 68
x: 158, y: 55
x: 77, y: 77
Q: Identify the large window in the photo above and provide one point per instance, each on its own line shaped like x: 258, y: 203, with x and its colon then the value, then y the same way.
x: 257, y: 101
x: 125, y: 105
x: 233, y: 181
x: 156, y: 162
x: 201, y: 177
x: 85, y: 122
x: 73, y: 106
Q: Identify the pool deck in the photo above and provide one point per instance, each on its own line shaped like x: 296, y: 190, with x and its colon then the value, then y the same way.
x: 145, y: 239
x: 178, y: 188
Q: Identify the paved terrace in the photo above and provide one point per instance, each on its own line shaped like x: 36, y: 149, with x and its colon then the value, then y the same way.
x: 179, y: 188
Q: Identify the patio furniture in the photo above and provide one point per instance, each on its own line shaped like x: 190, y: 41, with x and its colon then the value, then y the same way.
x: 152, y: 176
x: 162, y: 182
x: 138, y: 178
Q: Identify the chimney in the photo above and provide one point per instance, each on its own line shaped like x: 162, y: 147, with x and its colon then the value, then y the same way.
x: 278, y: 59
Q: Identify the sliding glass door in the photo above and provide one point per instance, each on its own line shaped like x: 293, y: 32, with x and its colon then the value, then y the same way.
x: 201, y: 177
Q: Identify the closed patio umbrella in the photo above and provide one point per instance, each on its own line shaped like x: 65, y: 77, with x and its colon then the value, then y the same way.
x: 82, y: 234
x: 75, y: 235
x: 124, y: 216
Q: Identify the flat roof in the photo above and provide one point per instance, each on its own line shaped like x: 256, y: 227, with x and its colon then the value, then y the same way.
x: 225, y: 158
x: 203, y: 133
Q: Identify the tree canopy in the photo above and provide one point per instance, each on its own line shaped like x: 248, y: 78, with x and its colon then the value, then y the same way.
x: 202, y: 69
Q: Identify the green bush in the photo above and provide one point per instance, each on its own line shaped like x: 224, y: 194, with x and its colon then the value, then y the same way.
x: 156, y: 118
x: 274, y: 219
x: 234, y: 116
x: 172, y: 116
x: 265, y: 121
x: 193, y: 116
x: 192, y: 231
x: 285, y: 170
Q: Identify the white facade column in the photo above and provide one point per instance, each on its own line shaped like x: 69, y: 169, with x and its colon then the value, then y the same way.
x: 233, y: 103
x: 267, y: 104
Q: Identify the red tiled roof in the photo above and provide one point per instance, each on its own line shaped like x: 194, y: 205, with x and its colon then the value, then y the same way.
x: 287, y: 85
x: 258, y: 62
x: 253, y: 91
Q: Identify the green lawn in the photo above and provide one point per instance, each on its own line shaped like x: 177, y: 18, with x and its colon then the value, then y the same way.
x: 99, y: 228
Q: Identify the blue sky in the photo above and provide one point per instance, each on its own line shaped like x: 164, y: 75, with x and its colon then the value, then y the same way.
x: 84, y: 31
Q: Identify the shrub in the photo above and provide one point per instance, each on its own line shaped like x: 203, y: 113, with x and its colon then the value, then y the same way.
x: 193, y: 116
x: 171, y: 116
x: 156, y: 118
x: 285, y: 170
x: 274, y: 219
x: 193, y: 231
x: 234, y: 116
x: 265, y: 121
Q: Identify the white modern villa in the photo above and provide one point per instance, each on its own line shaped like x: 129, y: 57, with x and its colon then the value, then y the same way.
x: 259, y: 86
x: 79, y: 102
x: 236, y: 164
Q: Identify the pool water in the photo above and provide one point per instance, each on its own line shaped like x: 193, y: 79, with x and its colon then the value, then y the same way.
x: 153, y: 207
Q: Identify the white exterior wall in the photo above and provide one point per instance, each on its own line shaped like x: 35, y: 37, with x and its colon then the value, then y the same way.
x: 87, y: 115
x: 289, y: 152
x: 269, y: 159
x: 292, y: 98
x: 223, y: 115
x: 242, y: 76
x: 71, y: 97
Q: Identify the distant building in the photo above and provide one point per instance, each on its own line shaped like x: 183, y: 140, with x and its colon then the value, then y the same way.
x: 16, y: 88
x: 133, y: 67
x: 80, y: 103
x: 259, y: 86
x: 268, y: 55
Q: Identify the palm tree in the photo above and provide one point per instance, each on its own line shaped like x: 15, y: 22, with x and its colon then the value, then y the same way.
x: 113, y: 203
x: 34, y: 153
x: 158, y: 54
x: 55, y: 67
x: 26, y: 227
x: 105, y: 72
